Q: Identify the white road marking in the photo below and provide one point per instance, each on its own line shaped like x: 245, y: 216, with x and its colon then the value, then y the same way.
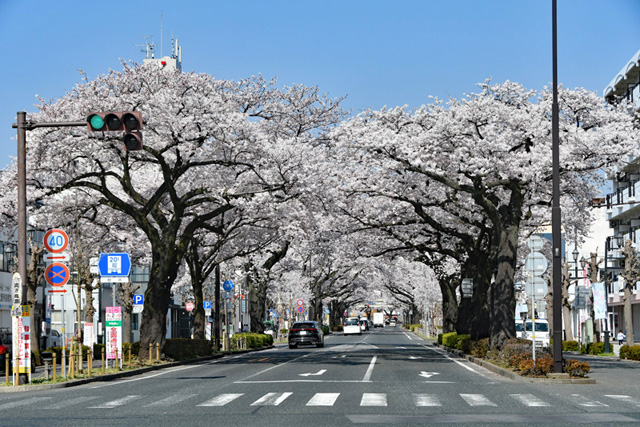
x: 624, y: 398
x: 271, y: 399
x: 323, y: 399
x: 415, y: 357
x: 583, y: 401
x: 222, y: 399
x: 408, y: 336
x: 146, y: 377
x: 274, y: 367
x: 171, y: 400
x: 529, y: 400
x: 426, y: 400
x: 477, y: 400
x: 320, y: 372
x: 461, y: 364
x: 70, y: 402
x: 23, y: 402
x: 117, y: 402
x: 373, y: 399
x: 367, y: 375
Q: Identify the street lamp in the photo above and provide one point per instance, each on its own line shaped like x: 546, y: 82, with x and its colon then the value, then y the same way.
x: 575, y: 254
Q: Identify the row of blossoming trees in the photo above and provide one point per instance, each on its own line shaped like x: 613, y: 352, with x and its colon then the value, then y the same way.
x: 279, y: 187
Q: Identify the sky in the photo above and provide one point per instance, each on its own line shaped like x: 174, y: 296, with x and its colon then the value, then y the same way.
x: 376, y: 53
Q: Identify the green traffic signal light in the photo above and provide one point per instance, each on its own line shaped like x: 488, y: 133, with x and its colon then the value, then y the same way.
x: 96, y: 122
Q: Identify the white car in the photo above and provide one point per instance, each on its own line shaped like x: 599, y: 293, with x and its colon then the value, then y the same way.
x: 542, y: 332
x: 352, y: 326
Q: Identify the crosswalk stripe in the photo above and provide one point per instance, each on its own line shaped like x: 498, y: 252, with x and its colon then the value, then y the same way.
x: 373, y: 399
x: 583, y: 401
x: 529, y: 400
x: 477, y: 400
x: 70, y: 402
x: 222, y: 399
x: 117, y: 402
x: 426, y: 400
x: 624, y: 398
x: 23, y: 402
x: 172, y: 400
x: 323, y: 399
x: 271, y: 399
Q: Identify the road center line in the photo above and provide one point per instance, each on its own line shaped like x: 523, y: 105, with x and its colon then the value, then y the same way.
x: 367, y: 376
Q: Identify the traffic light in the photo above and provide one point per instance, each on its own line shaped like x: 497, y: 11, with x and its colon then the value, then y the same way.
x: 128, y: 121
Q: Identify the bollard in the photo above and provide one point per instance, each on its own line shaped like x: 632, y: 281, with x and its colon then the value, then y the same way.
x: 150, y: 352
x: 6, y: 370
x: 158, y: 351
x: 55, y: 356
x: 80, y: 359
x: 129, y: 356
x: 102, y: 360
x: 72, y: 361
x: 117, y: 365
x: 89, y: 360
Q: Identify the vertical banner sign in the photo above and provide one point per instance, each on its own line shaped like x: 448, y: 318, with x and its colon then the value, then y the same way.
x: 599, y: 303
x: 114, y: 332
x: 22, y: 346
x: 87, y: 336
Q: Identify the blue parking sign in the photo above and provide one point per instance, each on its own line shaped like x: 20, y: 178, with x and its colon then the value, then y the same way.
x: 138, y: 299
x: 207, y: 305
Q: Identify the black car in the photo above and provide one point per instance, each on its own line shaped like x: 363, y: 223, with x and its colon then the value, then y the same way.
x: 306, y: 333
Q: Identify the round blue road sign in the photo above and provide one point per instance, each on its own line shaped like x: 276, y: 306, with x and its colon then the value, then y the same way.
x: 227, y: 285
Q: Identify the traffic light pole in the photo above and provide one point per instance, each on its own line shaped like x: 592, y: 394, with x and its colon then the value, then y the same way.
x: 22, y: 127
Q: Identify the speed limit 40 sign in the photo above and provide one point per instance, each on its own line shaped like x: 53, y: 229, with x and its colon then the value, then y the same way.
x: 56, y: 240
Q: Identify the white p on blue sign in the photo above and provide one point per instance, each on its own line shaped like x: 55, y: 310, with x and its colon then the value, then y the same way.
x: 207, y: 305
x: 138, y: 299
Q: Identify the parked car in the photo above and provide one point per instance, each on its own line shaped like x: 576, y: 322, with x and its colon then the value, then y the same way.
x: 519, y: 328
x: 306, y: 333
x: 364, y: 325
x: 392, y: 322
x: 542, y: 332
x: 352, y: 326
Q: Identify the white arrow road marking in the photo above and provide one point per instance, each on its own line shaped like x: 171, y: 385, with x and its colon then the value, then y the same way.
x: 428, y: 374
x: 320, y: 372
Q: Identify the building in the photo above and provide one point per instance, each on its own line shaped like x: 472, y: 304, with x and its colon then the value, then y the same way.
x: 623, y: 204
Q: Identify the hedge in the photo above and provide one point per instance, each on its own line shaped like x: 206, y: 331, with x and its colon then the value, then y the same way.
x: 464, y: 343
x: 632, y: 352
x: 570, y: 346
x: 440, y: 339
x: 254, y: 340
x: 450, y: 339
x: 185, y: 348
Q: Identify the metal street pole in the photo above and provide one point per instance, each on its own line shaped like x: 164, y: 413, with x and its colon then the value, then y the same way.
x: 556, y: 216
x: 607, y: 348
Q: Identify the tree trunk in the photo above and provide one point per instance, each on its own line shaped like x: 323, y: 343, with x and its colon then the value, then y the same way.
x: 449, y: 306
x: 628, y: 314
x: 257, y: 298
x: 501, y: 295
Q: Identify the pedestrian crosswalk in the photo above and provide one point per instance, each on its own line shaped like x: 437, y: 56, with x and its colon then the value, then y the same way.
x: 368, y: 399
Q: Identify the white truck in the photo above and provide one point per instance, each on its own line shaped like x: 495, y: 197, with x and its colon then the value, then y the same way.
x: 378, y: 320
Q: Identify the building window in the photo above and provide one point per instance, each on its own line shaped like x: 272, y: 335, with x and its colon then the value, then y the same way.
x: 135, y: 322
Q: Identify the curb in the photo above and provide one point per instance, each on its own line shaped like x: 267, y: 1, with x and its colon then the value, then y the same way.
x: 512, y: 375
x: 123, y: 374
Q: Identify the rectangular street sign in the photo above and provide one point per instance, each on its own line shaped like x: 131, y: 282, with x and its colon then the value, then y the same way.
x: 61, y: 257
x: 114, y: 279
x: 137, y: 309
x: 117, y: 264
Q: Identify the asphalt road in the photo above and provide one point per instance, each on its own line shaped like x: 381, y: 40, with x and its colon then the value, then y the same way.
x: 385, y: 376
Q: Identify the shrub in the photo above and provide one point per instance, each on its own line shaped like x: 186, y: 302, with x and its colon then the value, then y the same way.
x: 632, y: 352
x: 338, y: 328
x: 592, y: 348
x: 480, y: 348
x: 415, y: 326
x: 570, y: 346
x: 325, y: 330
x: 544, y: 364
x: 450, y: 339
x: 440, y: 339
x: 58, y: 351
x: 576, y: 368
x: 464, y: 343
x: 515, y: 346
x: 284, y: 331
x: 516, y: 359
x: 253, y: 340
x: 135, y: 349
x: 185, y: 348
x: 526, y: 367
